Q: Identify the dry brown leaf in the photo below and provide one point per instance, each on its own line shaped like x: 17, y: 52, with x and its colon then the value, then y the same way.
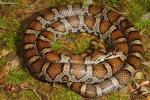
x: 2, y: 81
x: 145, y: 83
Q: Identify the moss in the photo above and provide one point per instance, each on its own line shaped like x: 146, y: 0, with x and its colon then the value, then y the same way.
x: 81, y: 46
x: 118, y: 95
x: 75, y: 43
x: 147, y: 55
x: 71, y: 36
x: 142, y: 24
x: 65, y: 94
x: 2, y: 94
x: 2, y: 61
x: 18, y: 76
x: 58, y: 2
x: 23, y: 95
x: 136, y: 9
x: 56, y: 45
x: 115, y: 3
x: 8, y: 37
x: 27, y: 95
x: 145, y: 4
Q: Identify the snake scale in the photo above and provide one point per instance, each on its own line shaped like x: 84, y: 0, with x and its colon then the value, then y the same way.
x: 96, y: 73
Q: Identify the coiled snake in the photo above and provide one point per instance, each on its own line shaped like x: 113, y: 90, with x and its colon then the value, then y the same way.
x: 95, y: 74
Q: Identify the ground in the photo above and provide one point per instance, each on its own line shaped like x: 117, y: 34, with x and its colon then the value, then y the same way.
x: 15, y: 81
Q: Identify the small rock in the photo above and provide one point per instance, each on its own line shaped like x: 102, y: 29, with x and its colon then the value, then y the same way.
x: 146, y: 16
x: 13, y: 61
x: 139, y: 75
x: 147, y: 63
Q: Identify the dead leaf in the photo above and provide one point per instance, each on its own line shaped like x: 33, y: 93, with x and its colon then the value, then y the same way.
x: 8, y: 88
x: 145, y: 83
x: 2, y: 81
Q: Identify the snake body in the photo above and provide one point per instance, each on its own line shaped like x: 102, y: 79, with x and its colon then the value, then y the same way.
x: 94, y: 74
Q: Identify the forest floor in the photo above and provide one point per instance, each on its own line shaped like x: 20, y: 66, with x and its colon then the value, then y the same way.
x: 17, y: 84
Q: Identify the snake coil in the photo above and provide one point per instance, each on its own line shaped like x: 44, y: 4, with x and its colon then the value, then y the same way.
x: 94, y: 74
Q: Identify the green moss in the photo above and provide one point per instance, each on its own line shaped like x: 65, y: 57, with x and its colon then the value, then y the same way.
x: 2, y: 94
x: 2, y: 62
x: 135, y: 10
x: 145, y: 4
x: 115, y: 3
x: 3, y: 22
x: 146, y: 55
x: 78, y: 44
x: 58, y: 2
x: 18, y: 76
x: 56, y: 45
x: 65, y: 94
x: 118, y: 96
x: 81, y: 46
x: 23, y: 95
x: 142, y: 24
x: 10, y: 26
x: 71, y: 36
x: 28, y: 95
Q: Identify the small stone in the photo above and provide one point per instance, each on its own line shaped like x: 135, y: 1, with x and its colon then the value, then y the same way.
x: 146, y: 16
x: 13, y: 61
x: 147, y: 63
x: 139, y: 75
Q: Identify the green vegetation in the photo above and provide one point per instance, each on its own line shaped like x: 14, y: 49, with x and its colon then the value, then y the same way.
x: 66, y: 94
x: 18, y: 76
x: 143, y: 24
x: 73, y: 42
x: 9, y: 26
x: 115, y: 3
x: 81, y: 46
x: 137, y: 8
x: 81, y: 42
x: 28, y: 95
x: 147, y: 55
x: 56, y: 45
x: 2, y: 62
x: 117, y: 95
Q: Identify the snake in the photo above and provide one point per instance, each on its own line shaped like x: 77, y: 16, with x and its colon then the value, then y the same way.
x: 91, y: 74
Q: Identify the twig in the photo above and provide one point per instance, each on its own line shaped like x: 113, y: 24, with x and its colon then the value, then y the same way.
x: 36, y: 94
x: 7, y: 3
x: 35, y: 3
